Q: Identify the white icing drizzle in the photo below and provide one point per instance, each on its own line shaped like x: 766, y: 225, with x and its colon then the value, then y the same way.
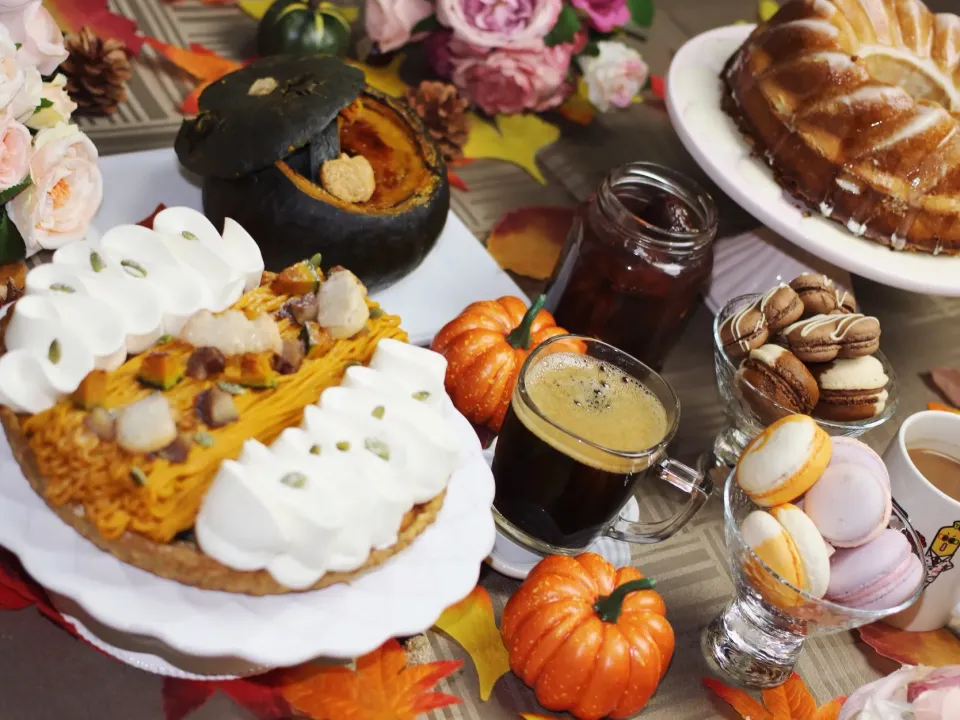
x: 759, y: 305
x: 844, y: 324
x: 323, y: 495
x: 107, y: 299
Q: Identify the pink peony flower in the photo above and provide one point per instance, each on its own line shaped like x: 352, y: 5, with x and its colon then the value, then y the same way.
x: 515, y: 80
x: 389, y: 23
x: 604, y: 15
x: 15, y: 151
x: 500, y: 23
x: 33, y: 27
x: 65, y: 193
x: 614, y: 76
x: 443, y: 48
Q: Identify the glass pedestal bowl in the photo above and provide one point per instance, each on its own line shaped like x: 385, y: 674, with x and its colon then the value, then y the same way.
x: 757, y: 640
x: 749, y: 411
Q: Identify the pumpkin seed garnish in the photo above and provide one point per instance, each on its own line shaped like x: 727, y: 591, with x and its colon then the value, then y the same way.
x: 138, y: 476
x: 96, y: 262
x: 314, y: 449
x: 62, y: 287
x: 343, y: 446
x: 54, y: 353
x: 421, y: 395
x: 165, y: 338
x: 231, y: 388
x: 378, y: 412
x: 203, y: 439
x: 189, y: 235
x: 134, y: 269
x: 377, y: 447
x: 377, y: 313
x: 294, y: 480
x: 262, y: 86
x: 316, y: 259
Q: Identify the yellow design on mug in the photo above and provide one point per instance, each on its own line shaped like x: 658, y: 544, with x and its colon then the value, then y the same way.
x: 947, y: 541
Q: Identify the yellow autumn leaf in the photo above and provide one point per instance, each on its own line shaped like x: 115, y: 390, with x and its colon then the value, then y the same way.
x: 516, y: 139
x: 386, y: 79
x: 256, y: 9
x: 471, y: 623
x: 766, y: 9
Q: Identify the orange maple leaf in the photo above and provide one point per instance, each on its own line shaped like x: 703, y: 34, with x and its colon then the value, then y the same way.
x: 790, y: 701
x: 941, y: 406
x: 202, y: 64
x: 935, y: 648
x: 381, y: 688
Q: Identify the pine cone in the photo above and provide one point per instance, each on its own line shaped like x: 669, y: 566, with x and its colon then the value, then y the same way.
x: 444, y: 113
x: 96, y: 72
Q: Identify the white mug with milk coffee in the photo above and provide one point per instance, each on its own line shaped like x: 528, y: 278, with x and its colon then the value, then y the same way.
x: 924, y: 465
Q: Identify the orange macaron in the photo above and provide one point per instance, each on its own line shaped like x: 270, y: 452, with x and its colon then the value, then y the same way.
x: 784, y: 461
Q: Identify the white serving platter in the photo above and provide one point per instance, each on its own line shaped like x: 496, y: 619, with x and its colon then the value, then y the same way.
x: 693, y: 95
x: 404, y: 596
x: 457, y: 272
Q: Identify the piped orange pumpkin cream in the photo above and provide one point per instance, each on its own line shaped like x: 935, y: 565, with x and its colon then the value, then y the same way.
x: 216, y: 424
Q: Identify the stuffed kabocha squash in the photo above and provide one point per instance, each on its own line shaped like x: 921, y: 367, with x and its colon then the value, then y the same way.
x: 309, y: 159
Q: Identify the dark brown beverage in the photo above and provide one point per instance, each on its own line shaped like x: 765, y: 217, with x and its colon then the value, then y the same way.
x: 636, y: 262
x: 550, y: 485
x: 942, y: 470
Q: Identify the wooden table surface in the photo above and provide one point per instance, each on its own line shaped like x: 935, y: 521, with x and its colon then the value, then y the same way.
x: 47, y: 675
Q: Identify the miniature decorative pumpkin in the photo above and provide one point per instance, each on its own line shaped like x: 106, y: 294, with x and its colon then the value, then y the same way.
x: 589, y: 639
x: 309, y: 26
x: 485, y: 346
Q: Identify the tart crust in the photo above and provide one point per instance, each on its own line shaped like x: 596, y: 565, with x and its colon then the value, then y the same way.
x: 182, y: 561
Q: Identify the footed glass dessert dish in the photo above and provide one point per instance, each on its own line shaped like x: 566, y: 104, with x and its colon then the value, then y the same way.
x: 749, y: 410
x: 757, y: 639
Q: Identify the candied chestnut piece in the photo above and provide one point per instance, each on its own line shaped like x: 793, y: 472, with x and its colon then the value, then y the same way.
x: 178, y: 450
x: 216, y: 407
x: 289, y: 359
x: 205, y: 362
x: 303, y: 308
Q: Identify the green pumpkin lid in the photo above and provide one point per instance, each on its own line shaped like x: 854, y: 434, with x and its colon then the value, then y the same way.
x: 263, y: 112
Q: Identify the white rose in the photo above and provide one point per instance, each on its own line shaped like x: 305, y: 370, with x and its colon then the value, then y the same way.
x: 65, y: 192
x: 32, y: 27
x: 61, y: 106
x: 614, y: 76
x: 11, y: 74
x: 25, y: 102
x: 15, y: 151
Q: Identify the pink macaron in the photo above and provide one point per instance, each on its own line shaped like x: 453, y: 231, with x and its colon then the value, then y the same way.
x: 850, y: 504
x: 876, y: 576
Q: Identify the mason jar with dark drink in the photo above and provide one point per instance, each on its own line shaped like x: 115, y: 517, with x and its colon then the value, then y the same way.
x: 636, y: 260
x: 582, y: 432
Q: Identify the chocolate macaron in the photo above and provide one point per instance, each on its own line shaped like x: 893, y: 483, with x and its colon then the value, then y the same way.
x: 776, y: 374
x: 822, y: 296
x: 744, y: 331
x: 853, y: 389
x: 823, y: 338
x: 781, y: 307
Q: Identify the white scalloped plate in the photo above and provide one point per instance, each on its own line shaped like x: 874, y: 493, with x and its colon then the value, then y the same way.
x: 403, y: 597
x: 693, y: 93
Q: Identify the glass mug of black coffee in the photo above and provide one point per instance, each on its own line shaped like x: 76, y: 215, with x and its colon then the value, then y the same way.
x: 582, y: 432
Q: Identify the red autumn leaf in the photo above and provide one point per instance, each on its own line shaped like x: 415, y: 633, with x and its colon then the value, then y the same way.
x: 528, y: 241
x: 658, y: 85
x: 18, y: 591
x: 147, y: 222
x: 935, y: 648
x: 202, y: 64
x: 456, y: 181
x: 71, y: 15
x: 382, y: 687
x: 258, y: 695
x: 460, y: 162
x: 947, y: 381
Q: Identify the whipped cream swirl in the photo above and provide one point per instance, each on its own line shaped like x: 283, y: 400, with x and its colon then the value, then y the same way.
x: 102, y: 300
x: 324, y: 495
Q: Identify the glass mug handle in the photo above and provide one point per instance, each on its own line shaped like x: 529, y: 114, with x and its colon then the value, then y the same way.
x: 698, y: 489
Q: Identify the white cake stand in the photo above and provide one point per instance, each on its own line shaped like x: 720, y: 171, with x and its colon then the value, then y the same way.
x: 693, y: 94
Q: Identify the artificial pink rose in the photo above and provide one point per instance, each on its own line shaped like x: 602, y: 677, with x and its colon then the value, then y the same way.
x: 604, y: 15
x: 33, y: 27
x: 500, y: 23
x: 389, y: 23
x: 512, y: 81
x: 443, y: 49
x: 65, y: 192
x: 15, y: 151
x: 614, y: 76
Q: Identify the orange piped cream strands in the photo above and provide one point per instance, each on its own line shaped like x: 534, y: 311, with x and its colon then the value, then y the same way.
x: 325, y: 494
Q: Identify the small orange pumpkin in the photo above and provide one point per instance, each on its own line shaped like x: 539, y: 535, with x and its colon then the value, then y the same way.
x: 589, y: 639
x: 485, y: 346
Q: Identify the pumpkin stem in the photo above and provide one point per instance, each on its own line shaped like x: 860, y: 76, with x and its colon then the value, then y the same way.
x: 608, y: 607
x: 519, y: 337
